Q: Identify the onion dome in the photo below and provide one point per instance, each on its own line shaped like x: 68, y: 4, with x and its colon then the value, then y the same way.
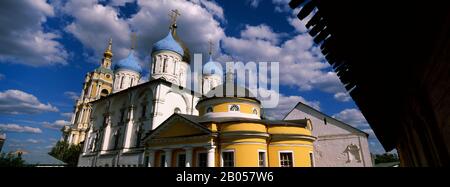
x: 131, y: 62
x: 168, y: 43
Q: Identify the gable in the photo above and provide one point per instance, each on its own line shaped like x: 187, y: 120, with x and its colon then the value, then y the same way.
x: 178, y: 129
x: 178, y: 126
x: 332, y: 126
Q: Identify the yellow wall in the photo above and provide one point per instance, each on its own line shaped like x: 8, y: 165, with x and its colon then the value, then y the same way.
x: 245, y: 107
x: 300, y: 155
x: 230, y: 127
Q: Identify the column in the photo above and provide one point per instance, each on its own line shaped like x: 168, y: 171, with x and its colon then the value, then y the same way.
x: 107, y: 133
x: 129, y: 128
x: 151, y: 158
x: 189, y: 152
x: 168, y: 153
x: 211, y: 156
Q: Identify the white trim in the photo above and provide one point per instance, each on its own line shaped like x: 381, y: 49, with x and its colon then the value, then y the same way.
x: 286, y: 151
x: 311, y: 156
x: 197, y: 158
x: 265, y: 156
x: 227, y: 151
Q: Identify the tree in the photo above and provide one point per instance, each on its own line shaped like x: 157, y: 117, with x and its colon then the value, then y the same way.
x: 66, y: 152
x: 11, y: 160
x: 386, y: 157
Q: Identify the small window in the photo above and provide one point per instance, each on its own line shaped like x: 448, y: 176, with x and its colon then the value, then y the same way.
x: 286, y: 160
x: 234, y: 108
x: 311, y: 159
x: 177, y: 110
x: 209, y: 110
x: 325, y: 121
x: 181, y: 160
x: 202, y: 160
x: 255, y: 111
x: 262, y: 158
x: 228, y: 159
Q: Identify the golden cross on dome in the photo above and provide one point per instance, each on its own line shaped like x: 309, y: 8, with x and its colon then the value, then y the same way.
x: 173, y: 16
x: 133, y: 40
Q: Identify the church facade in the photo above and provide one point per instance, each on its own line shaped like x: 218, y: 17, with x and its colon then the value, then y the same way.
x: 161, y: 123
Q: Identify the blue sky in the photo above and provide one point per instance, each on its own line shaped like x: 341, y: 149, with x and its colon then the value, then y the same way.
x: 47, y: 47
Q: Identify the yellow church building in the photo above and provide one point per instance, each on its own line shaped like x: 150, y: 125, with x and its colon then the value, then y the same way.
x: 229, y: 132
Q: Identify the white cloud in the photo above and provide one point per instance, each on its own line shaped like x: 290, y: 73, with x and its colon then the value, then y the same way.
x: 281, y: 5
x: 71, y: 95
x: 33, y: 141
x: 353, y: 117
x: 254, y: 3
x: 19, y: 102
x: 18, y: 128
x: 286, y: 104
x: 23, y: 39
x: 342, y: 96
x: 260, y: 32
x: 301, y: 63
x: 56, y: 125
x: 67, y: 115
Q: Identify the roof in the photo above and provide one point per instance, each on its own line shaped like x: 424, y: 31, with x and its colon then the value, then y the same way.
x: 42, y: 159
x: 168, y: 43
x: 229, y: 90
x: 131, y: 62
x: 324, y: 115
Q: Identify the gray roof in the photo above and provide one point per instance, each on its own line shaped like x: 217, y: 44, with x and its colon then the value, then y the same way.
x: 42, y: 159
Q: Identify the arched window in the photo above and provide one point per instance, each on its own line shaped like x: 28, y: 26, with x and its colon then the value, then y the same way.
x: 104, y: 93
x: 209, y: 110
x: 177, y: 110
x: 165, y: 65
x: 234, y: 108
x: 255, y: 111
x: 121, y: 82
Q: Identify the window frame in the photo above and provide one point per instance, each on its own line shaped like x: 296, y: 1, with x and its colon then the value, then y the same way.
x: 223, y: 161
x: 178, y: 159
x: 197, y: 160
x: 286, y: 151
x: 265, y: 157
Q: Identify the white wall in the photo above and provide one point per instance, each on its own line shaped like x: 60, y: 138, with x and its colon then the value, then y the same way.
x: 333, y: 140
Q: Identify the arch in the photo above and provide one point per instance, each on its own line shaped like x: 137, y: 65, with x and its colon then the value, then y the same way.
x: 185, y: 98
x: 104, y: 93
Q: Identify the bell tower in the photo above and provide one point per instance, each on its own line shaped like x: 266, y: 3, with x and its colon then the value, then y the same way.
x: 97, y: 84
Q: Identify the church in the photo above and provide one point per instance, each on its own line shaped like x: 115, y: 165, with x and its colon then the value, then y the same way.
x: 121, y: 123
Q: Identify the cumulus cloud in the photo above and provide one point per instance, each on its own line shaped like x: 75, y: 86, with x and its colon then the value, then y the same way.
x: 286, y: 104
x: 23, y: 38
x: 342, y: 96
x: 71, y: 95
x: 67, y: 115
x: 19, y: 128
x: 19, y: 102
x: 260, y: 32
x: 301, y: 63
x: 33, y: 141
x: 253, y: 3
x: 56, y: 125
x: 353, y: 117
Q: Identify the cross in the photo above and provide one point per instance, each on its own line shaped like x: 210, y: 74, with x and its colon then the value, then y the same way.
x: 173, y: 16
x: 211, y: 44
x: 133, y: 40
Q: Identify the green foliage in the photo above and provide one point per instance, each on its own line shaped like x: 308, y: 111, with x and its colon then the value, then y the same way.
x: 66, y: 153
x: 11, y: 160
x: 386, y: 157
